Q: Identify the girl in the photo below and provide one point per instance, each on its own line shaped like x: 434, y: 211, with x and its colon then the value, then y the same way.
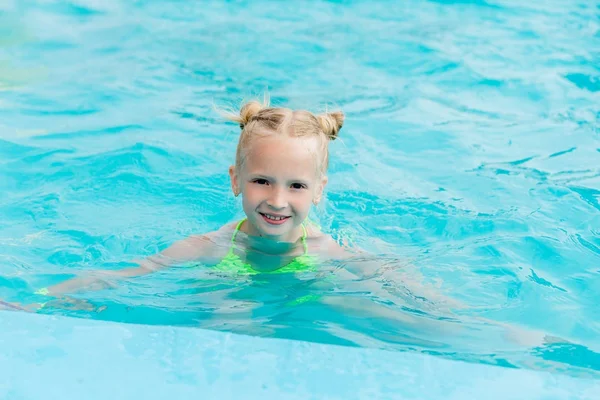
x: 280, y: 171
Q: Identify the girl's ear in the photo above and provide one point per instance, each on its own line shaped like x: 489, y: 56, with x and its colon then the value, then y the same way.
x: 234, y: 181
x: 319, y: 191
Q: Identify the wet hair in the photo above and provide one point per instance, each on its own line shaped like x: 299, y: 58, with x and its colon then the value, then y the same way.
x: 259, y: 120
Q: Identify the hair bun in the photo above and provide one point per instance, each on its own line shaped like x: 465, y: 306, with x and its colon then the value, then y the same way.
x: 331, y: 123
x: 248, y: 111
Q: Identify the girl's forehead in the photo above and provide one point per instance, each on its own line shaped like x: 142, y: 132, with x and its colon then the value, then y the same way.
x: 293, y: 147
x: 297, y: 155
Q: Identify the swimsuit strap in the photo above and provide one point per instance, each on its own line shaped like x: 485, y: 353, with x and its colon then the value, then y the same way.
x: 237, y: 229
x: 304, y: 235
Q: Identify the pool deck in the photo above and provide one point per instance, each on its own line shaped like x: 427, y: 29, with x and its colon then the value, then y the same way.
x: 47, y: 357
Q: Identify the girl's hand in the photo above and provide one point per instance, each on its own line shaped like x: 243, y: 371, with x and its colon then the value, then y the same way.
x: 5, y: 305
x: 96, y: 281
x: 70, y: 303
x: 65, y: 303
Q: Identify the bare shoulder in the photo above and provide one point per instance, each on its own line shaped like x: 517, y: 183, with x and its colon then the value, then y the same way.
x: 199, y: 246
x: 325, y: 245
x: 313, y: 230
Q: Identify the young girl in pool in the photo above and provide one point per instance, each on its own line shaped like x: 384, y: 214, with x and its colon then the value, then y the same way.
x: 280, y: 172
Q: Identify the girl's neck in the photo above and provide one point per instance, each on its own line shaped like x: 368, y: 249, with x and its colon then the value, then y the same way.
x: 293, y: 237
x: 268, y: 246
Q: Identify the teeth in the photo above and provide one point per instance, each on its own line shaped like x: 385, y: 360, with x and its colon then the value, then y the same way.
x: 273, y: 217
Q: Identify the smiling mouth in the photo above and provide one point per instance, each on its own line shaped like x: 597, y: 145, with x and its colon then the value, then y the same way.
x: 274, y: 219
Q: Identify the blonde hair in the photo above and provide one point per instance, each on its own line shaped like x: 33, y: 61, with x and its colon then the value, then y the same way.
x: 258, y: 120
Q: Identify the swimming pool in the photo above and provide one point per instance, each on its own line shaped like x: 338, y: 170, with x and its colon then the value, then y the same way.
x: 471, y: 149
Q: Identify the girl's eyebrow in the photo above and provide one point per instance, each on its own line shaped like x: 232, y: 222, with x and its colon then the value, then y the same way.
x: 254, y: 176
x: 300, y: 181
x: 270, y: 178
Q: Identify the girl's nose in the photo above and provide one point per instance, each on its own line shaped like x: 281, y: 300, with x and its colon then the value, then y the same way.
x: 277, y: 200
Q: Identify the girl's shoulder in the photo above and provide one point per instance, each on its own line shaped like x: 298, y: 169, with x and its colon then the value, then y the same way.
x: 216, y: 235
x: 325, y: 245
x: 313, y: 230
x: 210, y: 244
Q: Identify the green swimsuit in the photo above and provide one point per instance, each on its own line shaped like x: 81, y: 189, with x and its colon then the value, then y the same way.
x: 233, y: 264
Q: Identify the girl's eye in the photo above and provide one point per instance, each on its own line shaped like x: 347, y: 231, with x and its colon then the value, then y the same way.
x: 261, y: 181
x: 298, y: 186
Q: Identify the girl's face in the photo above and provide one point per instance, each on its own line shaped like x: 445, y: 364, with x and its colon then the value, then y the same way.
x: 278, y: 180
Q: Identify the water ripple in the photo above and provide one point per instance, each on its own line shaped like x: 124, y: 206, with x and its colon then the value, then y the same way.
x: 468, y: 162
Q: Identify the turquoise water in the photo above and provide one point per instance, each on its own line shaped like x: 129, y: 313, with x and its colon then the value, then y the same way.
x: 470, y: 152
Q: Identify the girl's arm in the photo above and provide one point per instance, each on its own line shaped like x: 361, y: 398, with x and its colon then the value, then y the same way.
x: 402, y: 275
x: 193, y: 248
x: 4, y: 305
